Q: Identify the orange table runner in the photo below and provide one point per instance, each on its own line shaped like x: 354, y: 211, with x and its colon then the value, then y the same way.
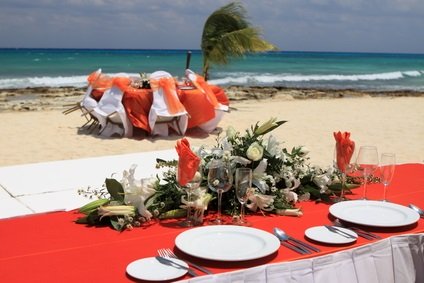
x: 50, y: 247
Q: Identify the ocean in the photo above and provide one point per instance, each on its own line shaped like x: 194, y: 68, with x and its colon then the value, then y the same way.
x: 22, y: 68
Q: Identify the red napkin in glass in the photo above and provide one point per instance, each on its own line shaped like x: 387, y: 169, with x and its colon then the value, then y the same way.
x: 344, y: 149
x: 188, y: 162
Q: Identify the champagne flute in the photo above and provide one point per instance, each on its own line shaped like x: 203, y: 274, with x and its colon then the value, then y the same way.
x: 192, y: 185
x: 220, y: 179
x: 243, y: 183
x: 387, y: 170
x: 367, y: 163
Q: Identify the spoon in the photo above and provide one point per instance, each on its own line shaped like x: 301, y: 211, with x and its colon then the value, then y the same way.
x: 283, y: 236
x: 417, y: 209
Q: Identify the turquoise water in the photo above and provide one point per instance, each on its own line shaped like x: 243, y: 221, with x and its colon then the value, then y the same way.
x: 70, y: 67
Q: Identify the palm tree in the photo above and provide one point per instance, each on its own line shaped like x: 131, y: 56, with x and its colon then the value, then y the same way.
x: 227, y: 33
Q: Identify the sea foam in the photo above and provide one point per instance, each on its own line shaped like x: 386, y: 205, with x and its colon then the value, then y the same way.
x: 267, y: 79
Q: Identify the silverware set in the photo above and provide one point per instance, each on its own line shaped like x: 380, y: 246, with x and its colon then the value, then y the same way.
x: 293, y: 243
x: 361, y: 233
x: 166, y: 254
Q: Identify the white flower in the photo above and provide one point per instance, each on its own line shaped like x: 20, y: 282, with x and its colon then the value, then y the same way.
x: 272, y: 146
x: 255, y: 152
x: 303, y: 151
x: 290, y: 195
x: 138, y: 191
x: 240, y: 160
x: 230, y: 132
x: 289, y: 212
x: 322, y: 181
x: 263, y: 202
x: 265, y: 127
x: 116, y: 210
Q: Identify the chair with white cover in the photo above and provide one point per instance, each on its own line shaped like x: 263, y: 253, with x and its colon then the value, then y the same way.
x: 200, y: 83
x: 111, y: 114
x: 87, y: 104
x: 166, y: 111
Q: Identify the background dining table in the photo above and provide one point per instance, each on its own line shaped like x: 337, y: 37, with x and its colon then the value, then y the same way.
x: 51, y: 247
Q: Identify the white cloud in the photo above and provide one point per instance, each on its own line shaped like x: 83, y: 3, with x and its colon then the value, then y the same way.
x: 334, y: 25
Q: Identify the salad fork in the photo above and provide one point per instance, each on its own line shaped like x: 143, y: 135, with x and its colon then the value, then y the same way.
x: 171, y: 254
x: 165, y: 259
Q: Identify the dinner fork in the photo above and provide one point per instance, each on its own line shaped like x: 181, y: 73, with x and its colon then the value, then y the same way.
x: 170, y: 253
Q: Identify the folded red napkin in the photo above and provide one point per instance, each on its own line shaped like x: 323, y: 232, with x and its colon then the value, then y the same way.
x: 344, y: 149
x: 188, y: 162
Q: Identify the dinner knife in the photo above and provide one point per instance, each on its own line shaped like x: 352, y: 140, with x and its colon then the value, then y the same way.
x: 169, y: 262
x: 294, y: 248
x: 306, y: 245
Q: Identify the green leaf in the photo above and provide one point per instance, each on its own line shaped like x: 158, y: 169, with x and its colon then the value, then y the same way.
x: 115, y: 189
x: 114, y: 221
x: 82, y: 220
x: 175, y: 213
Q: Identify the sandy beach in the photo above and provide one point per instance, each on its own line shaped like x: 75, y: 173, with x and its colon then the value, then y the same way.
x: 35, y: 130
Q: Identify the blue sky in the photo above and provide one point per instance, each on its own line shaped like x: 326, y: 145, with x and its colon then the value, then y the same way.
x: 295, y: 25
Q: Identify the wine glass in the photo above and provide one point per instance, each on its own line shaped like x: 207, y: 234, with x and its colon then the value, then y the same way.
x: 346, y: 169
x: 367, y: 163
x: 387, y: 170
x: 243, y: 182
x: 192, y: 185
x: 220, y: 179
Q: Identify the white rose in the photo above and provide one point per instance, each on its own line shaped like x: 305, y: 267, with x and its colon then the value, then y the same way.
x: 255, y: 152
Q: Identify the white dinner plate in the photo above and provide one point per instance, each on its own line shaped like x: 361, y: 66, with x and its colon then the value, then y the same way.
x: 374, y: 213
x: 151, y: 269
x: 323, y: 235
x: 227, y: 243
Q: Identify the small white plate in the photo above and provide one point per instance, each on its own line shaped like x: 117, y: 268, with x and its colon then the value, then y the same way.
x: 151, y: 269
x: 323, y: 235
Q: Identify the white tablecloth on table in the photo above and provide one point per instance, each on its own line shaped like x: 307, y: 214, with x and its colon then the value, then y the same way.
x: 398, y: 259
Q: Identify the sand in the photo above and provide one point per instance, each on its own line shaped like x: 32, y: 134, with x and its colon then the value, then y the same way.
x: 392, y: 123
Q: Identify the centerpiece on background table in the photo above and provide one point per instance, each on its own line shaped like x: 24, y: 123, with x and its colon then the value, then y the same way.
x: 280, y: 179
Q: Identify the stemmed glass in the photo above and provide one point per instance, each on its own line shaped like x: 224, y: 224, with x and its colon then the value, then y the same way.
x: 192, y: 185
x: 220, y: 179
x: 242, y: 184
x: 367, y: 163
x: 387, y: 170
x: 345, y: 170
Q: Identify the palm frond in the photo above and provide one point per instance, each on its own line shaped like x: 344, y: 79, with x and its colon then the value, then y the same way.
x: 227, y: 33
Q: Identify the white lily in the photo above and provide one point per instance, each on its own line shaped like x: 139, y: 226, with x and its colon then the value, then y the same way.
x: 322, y: 181
x: 115, y: 210
x: 258, y: 176
x: 138, y: 191
x: 263, y: 202
x: 303, y: 151
x: 290, y: 195
x: 273, y: 146
x: 289, y: 212
x: 266, y: 126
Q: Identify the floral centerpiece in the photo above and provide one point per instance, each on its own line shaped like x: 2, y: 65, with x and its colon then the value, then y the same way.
x: 281, y: 178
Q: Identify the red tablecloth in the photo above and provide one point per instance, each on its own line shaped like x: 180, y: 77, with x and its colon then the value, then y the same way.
x: 51, y: 248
